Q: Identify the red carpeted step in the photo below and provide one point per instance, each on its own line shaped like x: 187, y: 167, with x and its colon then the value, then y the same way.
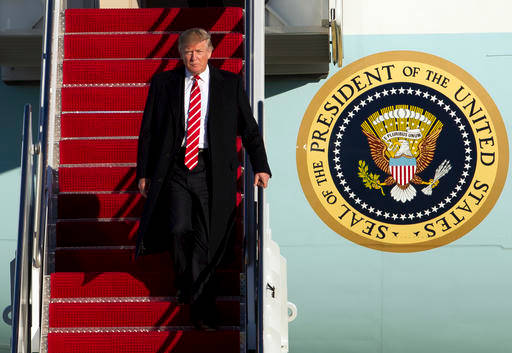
x: 124, y: 205
x: 108, y: 260
x: 110, y: 99
x: 92, y: 232
x: 222, y: 341
x: 100, y: 124
x: 112, y: 284
x: 131, y: 284
x: 74, y: 206
x: 135, y: 314
x: 98, y: 151
x: 96, y: 233
x: 228, y: 19
x: 101, y: 232
x: 121, y: 260
x: 91, y: 179
x: 129, y: 46
x: 72, y: 179
x: 129, y: 71
x: 89, y: 151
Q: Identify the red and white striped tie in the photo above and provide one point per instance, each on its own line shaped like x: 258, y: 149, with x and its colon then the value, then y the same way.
x: 193, y: 125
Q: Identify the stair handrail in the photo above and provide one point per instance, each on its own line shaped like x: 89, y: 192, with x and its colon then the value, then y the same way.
x: 254, y: 199
x: 249, y: 326
x: 40, y: 225
x: 260, y: 249
x: 43, y: 178
x: 20, y: 341
x: 26, y: 301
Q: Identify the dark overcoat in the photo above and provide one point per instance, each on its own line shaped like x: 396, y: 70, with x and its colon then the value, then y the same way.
x: 161, y: 135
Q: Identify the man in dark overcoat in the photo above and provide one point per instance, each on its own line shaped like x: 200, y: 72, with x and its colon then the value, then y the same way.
x: 191, y: 201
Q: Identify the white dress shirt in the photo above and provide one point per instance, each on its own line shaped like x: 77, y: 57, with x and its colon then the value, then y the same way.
x: 203, y: 83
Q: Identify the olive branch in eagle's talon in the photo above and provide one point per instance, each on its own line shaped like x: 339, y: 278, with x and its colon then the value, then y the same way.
x: 370, y: 180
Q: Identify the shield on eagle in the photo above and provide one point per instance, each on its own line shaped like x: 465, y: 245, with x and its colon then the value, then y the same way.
x: 402, y: 169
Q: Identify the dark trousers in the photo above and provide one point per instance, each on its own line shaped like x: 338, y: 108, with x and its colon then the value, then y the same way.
x: 189, y: 208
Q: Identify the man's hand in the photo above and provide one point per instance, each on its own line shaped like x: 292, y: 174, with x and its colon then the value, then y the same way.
x: 144, y: 186
x: 261, y: 179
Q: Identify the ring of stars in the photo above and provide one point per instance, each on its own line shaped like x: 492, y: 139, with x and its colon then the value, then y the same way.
x: 402, y: 216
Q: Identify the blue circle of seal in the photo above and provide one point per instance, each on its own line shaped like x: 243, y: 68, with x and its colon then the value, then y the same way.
x: 348, y: 146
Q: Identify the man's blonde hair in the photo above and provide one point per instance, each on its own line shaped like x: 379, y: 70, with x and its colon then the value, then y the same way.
x: 194, y: 35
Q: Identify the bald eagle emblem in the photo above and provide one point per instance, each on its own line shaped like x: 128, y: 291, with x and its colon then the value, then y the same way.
x: 402, y: 141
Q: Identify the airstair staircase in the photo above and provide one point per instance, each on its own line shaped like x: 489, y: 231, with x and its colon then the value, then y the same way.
x: 99, y: 295
x: 94, y: 296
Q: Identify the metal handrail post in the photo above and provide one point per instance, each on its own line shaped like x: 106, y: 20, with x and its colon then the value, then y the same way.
x: 36, y: 252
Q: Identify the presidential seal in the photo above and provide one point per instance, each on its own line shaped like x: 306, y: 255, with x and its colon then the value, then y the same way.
x: 402, y: 151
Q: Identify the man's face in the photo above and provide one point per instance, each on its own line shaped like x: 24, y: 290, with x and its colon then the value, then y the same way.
x: 195, y: 56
